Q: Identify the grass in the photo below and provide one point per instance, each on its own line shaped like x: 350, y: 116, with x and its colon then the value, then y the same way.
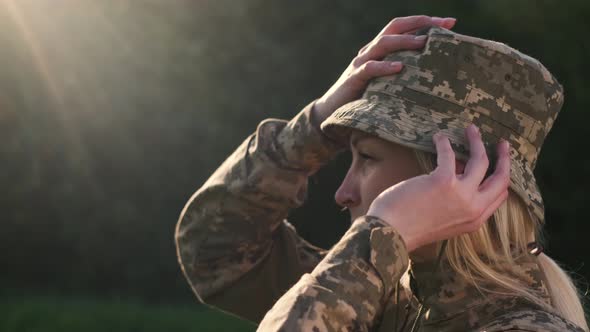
x: 48, y: 314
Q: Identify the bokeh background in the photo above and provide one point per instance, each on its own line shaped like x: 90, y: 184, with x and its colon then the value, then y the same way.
x: 113, y: 112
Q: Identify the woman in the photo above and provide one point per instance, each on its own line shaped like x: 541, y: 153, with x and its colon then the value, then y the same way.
x: 238, y: 254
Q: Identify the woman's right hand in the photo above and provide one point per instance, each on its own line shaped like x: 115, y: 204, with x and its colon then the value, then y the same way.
x: 367, y: 64
x: 443, y: 204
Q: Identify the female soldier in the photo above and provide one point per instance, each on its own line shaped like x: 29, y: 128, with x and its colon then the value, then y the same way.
x: 233, y: 246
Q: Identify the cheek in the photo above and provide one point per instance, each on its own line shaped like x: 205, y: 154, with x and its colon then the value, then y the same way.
x: 375, y: 182
x: 385, y: 175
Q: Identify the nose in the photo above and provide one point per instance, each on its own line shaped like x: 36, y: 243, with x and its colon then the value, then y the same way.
x: 347, y: 194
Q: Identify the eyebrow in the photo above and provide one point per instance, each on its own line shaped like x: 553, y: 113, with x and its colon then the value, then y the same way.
x: 356, y: 139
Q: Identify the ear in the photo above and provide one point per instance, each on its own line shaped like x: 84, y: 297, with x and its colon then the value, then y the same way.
x: 459, y: 166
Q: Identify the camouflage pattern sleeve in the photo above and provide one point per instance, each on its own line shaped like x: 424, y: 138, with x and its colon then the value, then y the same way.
x: 531, y: 320
x: 232, y: 240
x: 348, y: 290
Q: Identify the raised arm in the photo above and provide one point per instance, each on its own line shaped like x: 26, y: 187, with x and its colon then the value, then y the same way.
x: 234, y: 224
x: 348, y: 289
x: 232, y: 240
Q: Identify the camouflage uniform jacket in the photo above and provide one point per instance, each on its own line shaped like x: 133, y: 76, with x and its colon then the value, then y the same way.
x: 239, y: 253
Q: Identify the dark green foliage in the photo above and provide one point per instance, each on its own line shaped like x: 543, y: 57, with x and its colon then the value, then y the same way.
x: 114, y: 112
x: 48, y: 314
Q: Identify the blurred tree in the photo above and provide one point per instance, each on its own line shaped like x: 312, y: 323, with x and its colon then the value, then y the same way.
x: 115, y: 112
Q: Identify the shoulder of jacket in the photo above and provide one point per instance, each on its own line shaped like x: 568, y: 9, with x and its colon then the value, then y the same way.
x: 531, y: 320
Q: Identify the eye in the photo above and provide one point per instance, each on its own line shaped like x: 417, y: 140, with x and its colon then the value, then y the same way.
x: 365, y: 156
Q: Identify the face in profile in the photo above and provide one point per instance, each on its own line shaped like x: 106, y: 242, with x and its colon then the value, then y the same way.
x: 376, y: 165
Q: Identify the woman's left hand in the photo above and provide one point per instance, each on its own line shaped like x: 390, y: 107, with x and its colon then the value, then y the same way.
x: 440, y: 205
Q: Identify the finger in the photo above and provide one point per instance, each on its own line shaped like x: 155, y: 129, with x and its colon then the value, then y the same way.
x: 490, y: 209
x: 447, y: 23
x: 500, y: 179
x: 478, y: 162
x: 445, y: 157
x: 400, y: 25
x: 372, y: 69
x: 460, y: 167
x: 470, y: 226
x: 385, y: 45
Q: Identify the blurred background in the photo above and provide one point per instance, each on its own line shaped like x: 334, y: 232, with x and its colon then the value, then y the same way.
x: 113, y: 112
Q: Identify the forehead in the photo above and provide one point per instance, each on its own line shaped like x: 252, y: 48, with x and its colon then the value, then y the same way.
x: 356, y: 136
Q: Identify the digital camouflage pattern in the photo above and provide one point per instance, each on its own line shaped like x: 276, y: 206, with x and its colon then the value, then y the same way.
x: 454, y: 81
x: 234, y: 226
x: 349, y: 288
x: 241, y: 255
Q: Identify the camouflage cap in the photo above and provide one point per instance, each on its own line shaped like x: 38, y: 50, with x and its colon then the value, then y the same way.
x: 454, y: 81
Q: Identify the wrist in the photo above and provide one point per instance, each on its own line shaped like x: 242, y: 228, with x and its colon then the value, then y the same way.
x: 395, y: 222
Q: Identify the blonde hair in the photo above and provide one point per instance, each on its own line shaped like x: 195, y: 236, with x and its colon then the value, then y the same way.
x: 488, y: 256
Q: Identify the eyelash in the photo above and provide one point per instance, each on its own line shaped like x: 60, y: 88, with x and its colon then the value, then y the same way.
x: 365, y: 156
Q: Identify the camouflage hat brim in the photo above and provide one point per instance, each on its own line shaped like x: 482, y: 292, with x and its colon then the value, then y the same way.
x: 409, y: 124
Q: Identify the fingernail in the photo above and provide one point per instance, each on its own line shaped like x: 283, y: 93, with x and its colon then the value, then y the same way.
x: 395, y: 64
x: 420, y: 38
x: 451, y: 18
x: 506, y: 145
x: 437, y: 20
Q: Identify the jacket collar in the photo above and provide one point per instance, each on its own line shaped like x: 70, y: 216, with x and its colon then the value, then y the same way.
x: 446, y: 294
